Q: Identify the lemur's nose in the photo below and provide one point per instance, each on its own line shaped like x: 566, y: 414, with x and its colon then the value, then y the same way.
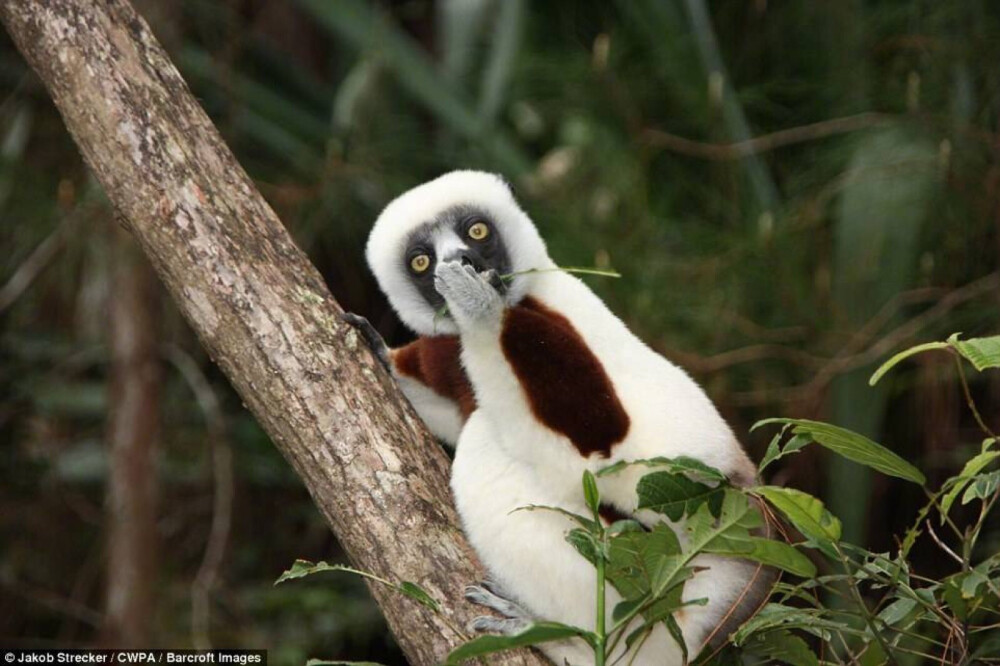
x: 467, y: 258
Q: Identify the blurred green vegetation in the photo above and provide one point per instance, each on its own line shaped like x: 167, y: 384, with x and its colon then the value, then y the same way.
x: 778, y: 270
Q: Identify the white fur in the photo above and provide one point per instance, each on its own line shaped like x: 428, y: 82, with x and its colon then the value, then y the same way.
x: 507, y: 459
x: 441, y: 415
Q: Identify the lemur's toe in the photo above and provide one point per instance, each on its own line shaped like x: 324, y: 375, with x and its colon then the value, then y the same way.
x: 481, y: 595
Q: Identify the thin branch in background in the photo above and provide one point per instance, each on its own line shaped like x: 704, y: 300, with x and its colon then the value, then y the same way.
x: 222, y: 505
x: 55, y: 602
x: 847, y: 359
x: 942, y: 544
x: 760, y: 352
x: 765, y: 142
x: 32, y: 267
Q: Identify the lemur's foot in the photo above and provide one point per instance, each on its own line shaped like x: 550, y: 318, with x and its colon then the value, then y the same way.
x: 470, y: 295
x: 371, y: 336
x: 515, y: 619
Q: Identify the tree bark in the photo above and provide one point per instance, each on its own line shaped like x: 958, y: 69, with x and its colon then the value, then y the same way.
x: 133, y: 432
x: 259, y: 307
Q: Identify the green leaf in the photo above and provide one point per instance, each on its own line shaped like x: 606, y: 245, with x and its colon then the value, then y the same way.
x: 784, y: 647
x: 419, y: 594
x: 972, y: 467
x: 778, y: 616
x: 806, y: 513
x: 585, y: 543
x: 854, y: 447
x: 590, y: 525
x: 591, y: 495
x: 781, y: 555
x: 303, y: 568
x: 775, y: 451
x: 982, y: 487
x: 675, y: 632
x: 675, y: 495
x: 688, y: 466
x: 903, y: 355
x: 324, y: 662
x: 540, y: 632
x: 982, y: 353
x: 897, y: 611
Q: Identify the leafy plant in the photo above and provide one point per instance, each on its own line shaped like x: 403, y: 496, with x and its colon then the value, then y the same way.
x: 846, y: 604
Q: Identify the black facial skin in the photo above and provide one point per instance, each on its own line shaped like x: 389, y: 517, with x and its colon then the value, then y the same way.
x: 487, y: 254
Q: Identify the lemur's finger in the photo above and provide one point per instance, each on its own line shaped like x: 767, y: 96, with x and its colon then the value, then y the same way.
x: 483, y: 596
x: 495, y: 625
x: 371, y: 336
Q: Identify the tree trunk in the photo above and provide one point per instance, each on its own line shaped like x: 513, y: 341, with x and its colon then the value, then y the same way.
x: 259, y: 307
x: 133, y: 430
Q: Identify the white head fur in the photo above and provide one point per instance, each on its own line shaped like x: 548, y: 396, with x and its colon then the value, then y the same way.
x: 386, y: 250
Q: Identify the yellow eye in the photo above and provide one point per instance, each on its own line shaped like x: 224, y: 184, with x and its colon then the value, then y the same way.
x: 479, y: 231
x: 420, y: 263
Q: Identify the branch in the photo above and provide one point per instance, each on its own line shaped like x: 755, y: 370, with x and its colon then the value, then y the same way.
x: 259, y: 307
x: 764, y: 143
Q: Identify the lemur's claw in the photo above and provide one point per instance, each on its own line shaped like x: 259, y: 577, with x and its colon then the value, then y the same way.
x: 371, y: 336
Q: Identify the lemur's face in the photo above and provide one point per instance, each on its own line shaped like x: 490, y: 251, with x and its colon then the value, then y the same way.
x: 468, y: 217
x: 464, y: 234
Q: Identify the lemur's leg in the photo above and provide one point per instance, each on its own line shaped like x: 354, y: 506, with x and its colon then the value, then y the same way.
x: 515, y: 619
x: 371, y: 336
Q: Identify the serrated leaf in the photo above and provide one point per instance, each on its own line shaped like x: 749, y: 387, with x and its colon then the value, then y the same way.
x: 854, y: 447
x: 692, y: 467
x: 540, y: 632
x: 775, y: 451
x: 982, y: 353
x: 806, y: 513
x: 303, y: 568
x: 675, y: 495
x: 778, y: 616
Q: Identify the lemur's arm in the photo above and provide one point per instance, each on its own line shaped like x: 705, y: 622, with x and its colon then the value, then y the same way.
x: 429, y: 371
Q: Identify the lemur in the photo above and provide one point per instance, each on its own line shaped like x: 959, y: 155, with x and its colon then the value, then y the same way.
x: 533, y: 379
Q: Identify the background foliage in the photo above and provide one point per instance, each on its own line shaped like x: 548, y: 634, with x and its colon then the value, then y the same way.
x: 792, y: 191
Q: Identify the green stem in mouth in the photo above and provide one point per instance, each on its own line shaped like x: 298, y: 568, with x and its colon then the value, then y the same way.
x: 443, y: 310
x: 565, y: 269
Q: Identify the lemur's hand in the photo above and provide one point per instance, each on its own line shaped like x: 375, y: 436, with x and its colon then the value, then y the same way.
x: 371, y: 336
x: 471, y: 296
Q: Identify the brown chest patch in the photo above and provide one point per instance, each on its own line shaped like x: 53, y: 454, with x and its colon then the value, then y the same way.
x: 436, y: 362
x: 566, y: 385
